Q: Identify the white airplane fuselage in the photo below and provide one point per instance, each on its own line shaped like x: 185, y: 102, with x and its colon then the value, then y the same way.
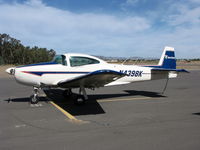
x: 50, y: 74
x: 70, y: 66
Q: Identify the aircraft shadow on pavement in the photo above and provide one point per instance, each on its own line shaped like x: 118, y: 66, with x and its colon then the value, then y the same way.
x: 25, y: 99
x: 91, y: 107
x: 197, y: 114
x: 128, y: 93
x: 144, y: 93
x: 56, y: 95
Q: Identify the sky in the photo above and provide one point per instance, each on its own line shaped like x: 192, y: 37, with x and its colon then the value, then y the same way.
x: 119, y: 28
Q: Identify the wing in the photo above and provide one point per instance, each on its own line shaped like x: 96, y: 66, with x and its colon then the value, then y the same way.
x: 94, y: 79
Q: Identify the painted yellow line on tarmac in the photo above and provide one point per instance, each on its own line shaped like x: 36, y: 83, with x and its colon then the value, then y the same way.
x: 63, y: 111
x: 71, y: 117
x: 122, y: 99
x: 74, y: 119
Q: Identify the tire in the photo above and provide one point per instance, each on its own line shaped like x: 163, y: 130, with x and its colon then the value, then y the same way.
x: 79, y: 100
x: 34, y: 99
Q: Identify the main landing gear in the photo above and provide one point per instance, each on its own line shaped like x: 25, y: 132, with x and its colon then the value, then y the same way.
x: 34, y: 99
x: 78, y: 99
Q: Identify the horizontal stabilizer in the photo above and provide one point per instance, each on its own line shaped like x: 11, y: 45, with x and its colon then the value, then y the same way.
x: 165, y: 69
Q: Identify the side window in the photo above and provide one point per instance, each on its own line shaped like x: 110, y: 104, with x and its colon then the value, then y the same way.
x: 64, y: 62
x: 80, y: 61
x: 60, y: 59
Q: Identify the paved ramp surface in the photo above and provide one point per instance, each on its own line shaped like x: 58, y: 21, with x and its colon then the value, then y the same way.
x: 134, y: 116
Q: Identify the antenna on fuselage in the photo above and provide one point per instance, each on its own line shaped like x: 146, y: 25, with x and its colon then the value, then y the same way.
x: 125, y: 61
x: 137, y: 60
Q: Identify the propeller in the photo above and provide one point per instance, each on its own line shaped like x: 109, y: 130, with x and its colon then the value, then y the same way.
x: 11, y: 71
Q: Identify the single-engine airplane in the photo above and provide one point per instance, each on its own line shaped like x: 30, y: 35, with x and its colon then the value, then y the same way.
x: 81, y: 71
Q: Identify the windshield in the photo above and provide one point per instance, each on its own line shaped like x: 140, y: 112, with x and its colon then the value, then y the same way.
x: 60, y: 59
x: 80, y: 61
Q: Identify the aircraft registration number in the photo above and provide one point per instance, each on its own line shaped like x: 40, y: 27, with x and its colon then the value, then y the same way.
x: 132, y: 73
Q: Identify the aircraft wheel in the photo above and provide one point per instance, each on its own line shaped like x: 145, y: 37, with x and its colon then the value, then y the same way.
x: 79, y: 100
x: 34, y: 99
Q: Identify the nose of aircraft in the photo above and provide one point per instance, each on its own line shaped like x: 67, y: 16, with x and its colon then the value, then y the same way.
x: 11, y: 71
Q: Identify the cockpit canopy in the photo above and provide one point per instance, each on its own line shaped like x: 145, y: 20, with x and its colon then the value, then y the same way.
x: 60, y: 59
x: 80, y: 61
x: 76, y: 60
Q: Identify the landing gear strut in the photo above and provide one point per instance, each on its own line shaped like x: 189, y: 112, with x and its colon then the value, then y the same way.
x: 34, y: 99
x: 80, y: 99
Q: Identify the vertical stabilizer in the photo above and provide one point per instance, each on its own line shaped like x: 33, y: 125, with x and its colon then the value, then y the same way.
x: 168, y: 59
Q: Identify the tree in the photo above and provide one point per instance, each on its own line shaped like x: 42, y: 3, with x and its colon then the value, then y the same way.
x: 13, y: 52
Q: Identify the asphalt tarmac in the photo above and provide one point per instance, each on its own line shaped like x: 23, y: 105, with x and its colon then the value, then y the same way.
x: 134, y: 116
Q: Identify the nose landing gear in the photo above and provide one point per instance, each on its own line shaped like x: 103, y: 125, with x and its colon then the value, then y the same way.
x: 34, y: 99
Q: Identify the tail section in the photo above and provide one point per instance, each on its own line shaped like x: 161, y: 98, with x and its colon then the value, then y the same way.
x: 166, y: 67
x: 168, y: 60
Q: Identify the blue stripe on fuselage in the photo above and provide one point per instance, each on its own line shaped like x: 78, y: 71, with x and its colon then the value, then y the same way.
x: 39, y: 64
x: 39, y: 73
